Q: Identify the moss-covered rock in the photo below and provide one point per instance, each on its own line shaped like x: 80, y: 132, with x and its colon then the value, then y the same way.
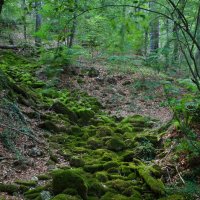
x: 43, y: 177
x: 52, y: 127
x: 103, y: 131
x: 9, y: 188
x: 128, y: 156
x: 85, y: 115
x: 110, y: 164
x: 59, y: 107
x: 94, y: 143
x: 26, y: 183
x: 113, y: 196
x: 63, y: 179
x: 125, y: 170
x: 120, y: 185
x: 102, y: 176
x: 65, y: 197
x: 131, y: 191
x: 93, y: 168
x: 156, y: 185
x: 115, y: 144
x: 97, y: 189
x: 76, y: 161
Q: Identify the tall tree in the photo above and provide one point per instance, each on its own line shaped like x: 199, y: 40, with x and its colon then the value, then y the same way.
x: 71, y: 36
x: 154, y: 29
x: 24, y: 19
x: 38, y: 21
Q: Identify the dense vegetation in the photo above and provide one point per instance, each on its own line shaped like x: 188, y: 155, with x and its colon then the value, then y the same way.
x: 99, y: 99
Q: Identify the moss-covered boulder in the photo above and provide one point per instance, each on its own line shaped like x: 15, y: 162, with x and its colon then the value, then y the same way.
x: 26, y: 183
x: 97, y: 188
x: 156, y: 185
x: 115, y: 144
x: 102, y: 176
x: 103, y: 131
x: 63, y: 179
x: 85, y: 115
x: 76, y: 161
x: 92, y: 168
x: 52, y: 126
x: 94, y: 143
x: 60, y: 108
x: 110, y: 164
x: 9, y: 188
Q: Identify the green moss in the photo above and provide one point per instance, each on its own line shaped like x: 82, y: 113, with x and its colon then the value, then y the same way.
x: 70, y: 191
x: 93, y: 168
x: 113, y: 196
x: 43, y: 177
x: 76, y: 161
x: 103, y: 131
x: 9, y: 188
x: 119, y: 185
x: 156, y: 185
x: 173, y: 197
x: 32, y: 196
x: 124, y: 170
x: 63, y: 179
x: 128, y: 156
x: 85, y: 114
x: 131, y: 191
x: 113, y: 170
x: 132, y: 176
x: 108, y: 195
x: 35, y: 190
x: 59, y: 107
x: 26, y: 183
x: 102, y: 176
x: 65, y: 197
x: 94, y: 143
x: 115, y: 144
x: 123, y: 128
x: 110, y: 164
x: 54, y: 157
x: 107, y: 157
x: 97, y: 189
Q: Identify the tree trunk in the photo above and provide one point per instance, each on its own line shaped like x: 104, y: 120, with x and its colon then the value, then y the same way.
x: 74, y: 25
x: 1, y: 5
x: 123, y: 30
x: 197, y: 54
x: 176, y: 50
x: 146, y: 37
x: 24, y: 19
x: 154, y: 30
x: 38, y: 22
x: 167, y: 47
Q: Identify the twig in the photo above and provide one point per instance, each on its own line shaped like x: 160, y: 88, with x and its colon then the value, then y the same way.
x: 180, y: 175
x: 169, y: 175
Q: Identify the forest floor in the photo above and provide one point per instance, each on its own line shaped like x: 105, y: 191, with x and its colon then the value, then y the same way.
x: 122, y: 95
x: 123, y: 91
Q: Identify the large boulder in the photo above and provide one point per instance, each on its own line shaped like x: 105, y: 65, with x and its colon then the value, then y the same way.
x: 65, y: 179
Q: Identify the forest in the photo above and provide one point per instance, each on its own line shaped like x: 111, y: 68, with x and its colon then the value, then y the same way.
x: 99, y: 99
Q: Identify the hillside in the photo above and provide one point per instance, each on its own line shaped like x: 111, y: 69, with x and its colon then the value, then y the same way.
x: 57, y: 142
